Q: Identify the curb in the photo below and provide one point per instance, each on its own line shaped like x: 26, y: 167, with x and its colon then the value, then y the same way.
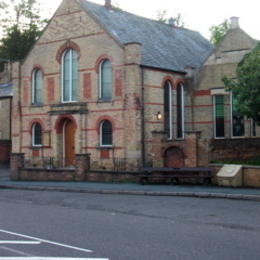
x: 138, y: 193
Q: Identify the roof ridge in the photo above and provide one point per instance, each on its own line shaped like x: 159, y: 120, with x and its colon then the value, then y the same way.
x: 162, y: 46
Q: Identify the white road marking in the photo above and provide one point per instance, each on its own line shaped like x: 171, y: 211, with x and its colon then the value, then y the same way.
x: 45, y: 241
x: 49, y: 258
x: 17, y: 252
x: 20, y: 242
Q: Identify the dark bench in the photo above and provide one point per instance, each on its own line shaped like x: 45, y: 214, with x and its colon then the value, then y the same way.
x: 175, y: 174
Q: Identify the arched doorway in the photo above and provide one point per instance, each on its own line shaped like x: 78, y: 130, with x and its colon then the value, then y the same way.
x: 174, y: 157
x: 69, y: 142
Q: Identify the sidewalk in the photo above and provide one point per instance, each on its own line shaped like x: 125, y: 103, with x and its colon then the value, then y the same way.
x: 131, y: 188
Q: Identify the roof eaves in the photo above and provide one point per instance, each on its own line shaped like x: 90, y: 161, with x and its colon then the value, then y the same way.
x: 163, y: 69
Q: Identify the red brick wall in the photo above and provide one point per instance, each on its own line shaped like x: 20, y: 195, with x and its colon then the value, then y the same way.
x: 235, y: 149
x: 87, y: 85
x: 50, y: 89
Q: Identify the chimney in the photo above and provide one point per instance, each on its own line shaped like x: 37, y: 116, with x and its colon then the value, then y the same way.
x: 172, y: 22
x: 108, y: 4
x: 234, y: 22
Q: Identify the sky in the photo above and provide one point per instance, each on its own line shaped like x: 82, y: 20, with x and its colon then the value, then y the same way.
x: 198, y: 15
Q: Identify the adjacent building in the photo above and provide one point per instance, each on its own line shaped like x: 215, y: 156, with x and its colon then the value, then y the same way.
x: 6, y: 94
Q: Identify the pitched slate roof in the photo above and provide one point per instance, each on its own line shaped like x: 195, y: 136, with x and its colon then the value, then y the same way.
x: 162, y: 46
x: 6, y: 90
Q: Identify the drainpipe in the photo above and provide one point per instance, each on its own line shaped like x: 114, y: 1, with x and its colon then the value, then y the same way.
x: 142, y: 120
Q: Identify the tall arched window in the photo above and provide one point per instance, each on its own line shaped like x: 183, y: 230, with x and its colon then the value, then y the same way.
x: 105, y: 133
x: 36, y: 135
x: 69, y: 76
x: 37, y: 87
x: 105, y: 80
x: 180, y: 111
x: 168, y: 109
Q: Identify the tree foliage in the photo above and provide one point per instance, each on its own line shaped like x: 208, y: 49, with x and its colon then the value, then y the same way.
x: 162, y: 16
x: 246, y: 85
x: 218, y: 32
x: 21, y: 26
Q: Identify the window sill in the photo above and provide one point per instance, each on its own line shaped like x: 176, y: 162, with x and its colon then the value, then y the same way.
x: 109, y: 147
x: 104, y: 100
x: 37, y: 104
x: 69, y: 101
x: 34, y: 147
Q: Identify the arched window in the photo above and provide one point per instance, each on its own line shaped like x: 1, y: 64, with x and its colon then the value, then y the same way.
x: 69, y: 76
x: 168, y: 109
x: 36, y: 135
x: 105, y: 80
x: 37, y: 87
x: 180, y: 111
x: 105, y: 133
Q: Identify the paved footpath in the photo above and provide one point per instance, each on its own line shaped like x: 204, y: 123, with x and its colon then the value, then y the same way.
x: 132, y: 188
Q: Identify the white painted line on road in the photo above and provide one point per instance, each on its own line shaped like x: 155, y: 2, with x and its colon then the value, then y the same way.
x: 46, y: 241
x: 49, y: 258
x: 17, y: 252
x: 14, y: 242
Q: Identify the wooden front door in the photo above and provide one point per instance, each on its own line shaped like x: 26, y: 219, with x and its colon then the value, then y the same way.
x: 174, y: 157
x: 69, y: 143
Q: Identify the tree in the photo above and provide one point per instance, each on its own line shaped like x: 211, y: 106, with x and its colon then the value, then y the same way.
x: 21, y: 25
x: 218, y: 32
x: 246, y: 85
x: 162, y: 17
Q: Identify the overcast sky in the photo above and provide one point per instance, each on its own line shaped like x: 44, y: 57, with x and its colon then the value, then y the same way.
x: 198, y: 15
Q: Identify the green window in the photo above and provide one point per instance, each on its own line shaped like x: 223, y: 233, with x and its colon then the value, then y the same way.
x: 219, y: 116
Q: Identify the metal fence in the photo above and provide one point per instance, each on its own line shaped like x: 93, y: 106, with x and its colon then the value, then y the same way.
x: 49, y: 162
x: 113, y: 164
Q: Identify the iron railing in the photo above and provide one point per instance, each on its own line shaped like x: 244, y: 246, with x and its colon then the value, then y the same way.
x: 115, y: 164
x: 112, y: 164
x: 49, y: 162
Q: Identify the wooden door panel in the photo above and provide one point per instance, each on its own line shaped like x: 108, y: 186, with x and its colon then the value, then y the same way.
x: 69, y: 143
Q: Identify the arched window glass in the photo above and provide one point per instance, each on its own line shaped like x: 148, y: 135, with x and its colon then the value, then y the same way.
x: 180, y: 111
x: 37, y: 135
x: 37, y: 87
x: 105, y: 81
x: 106, y: 133
x: 168, y: 109
x: 70, y: 76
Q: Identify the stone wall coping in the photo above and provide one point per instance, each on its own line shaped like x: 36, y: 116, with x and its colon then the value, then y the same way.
x: 243, y: 165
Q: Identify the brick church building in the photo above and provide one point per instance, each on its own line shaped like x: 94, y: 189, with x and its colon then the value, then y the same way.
x: 120, y: 87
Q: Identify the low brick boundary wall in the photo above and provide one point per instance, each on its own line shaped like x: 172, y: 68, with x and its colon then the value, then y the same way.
x: 111, y: 176
x: 32, y: 174
x: 35, y: 174
x: 250, y: 175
